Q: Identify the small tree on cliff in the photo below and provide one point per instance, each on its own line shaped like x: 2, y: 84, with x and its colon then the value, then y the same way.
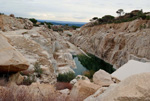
x: 120, y: 12
x: 94, y: 18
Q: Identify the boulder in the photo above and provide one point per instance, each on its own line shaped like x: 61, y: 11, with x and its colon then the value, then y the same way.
x: 134, y: 88
x: 10, y: 59
x: 102, y: 78
x: 16, y: 78
x: 65, y: 91
x: 81, y: 90
x: 130, y: 68
x: 96, y: 94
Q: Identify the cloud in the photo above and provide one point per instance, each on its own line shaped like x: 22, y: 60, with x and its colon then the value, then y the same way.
x: 70, y: 10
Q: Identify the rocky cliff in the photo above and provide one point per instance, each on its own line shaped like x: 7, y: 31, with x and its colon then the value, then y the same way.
x: 43, y: 48
x: 116, y: 43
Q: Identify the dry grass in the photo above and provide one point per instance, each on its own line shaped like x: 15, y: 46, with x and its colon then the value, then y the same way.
x: 63, y: 85
x: 39, y: 92
x: 3, y: 82
x: 24, y: 94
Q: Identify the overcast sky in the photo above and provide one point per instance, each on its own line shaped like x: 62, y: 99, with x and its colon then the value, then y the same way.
x: 70, y: 10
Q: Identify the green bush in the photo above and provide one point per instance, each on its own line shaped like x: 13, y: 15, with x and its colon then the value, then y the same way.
x: 89, y: 73
x: 74, y: 27
x: 141, y: 15
x: 94, y: 18
x: 108, y: 18
x: 147, y: 17
x: 34, y: 21
x: 143, y: 26
x: 58, y: 29
x: 1, y: 13
x: 37, y: 69
x: 66, y: 77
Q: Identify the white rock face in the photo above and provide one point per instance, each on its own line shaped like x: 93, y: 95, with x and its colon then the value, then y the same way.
x: 130, y: 68
x: 102, y: 78
x: 134, y: 88
x: 56, y: 46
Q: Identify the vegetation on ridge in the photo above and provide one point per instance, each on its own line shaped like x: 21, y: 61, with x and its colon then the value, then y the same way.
x: 136, y: 14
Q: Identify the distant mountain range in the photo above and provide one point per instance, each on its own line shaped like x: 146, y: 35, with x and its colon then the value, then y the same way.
x: 70, y: 23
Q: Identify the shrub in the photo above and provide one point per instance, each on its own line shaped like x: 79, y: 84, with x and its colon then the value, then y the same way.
x: 94, y: 18
x: 141, y: 15
x: 147, y: 17
x: 37, y: 69
x: 1, y: 13
x: 100, y: 20
x: 58, y: 29
x: 74, y: 27
x: 108, y: 18
x: 34, y: 21
x: 66, y: 77
x: 89, y: 74
x: 142, y: 26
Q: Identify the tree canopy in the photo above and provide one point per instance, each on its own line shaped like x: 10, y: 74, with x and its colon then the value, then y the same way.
x: 120, y: 12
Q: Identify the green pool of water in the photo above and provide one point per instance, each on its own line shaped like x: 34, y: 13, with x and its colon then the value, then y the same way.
x: 93, y: 64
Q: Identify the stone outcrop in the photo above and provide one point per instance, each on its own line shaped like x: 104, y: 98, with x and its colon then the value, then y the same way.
x: 134, y: 88
x: 10, y: 59
x: 36, y: 46
x: 102, y: 78
x: 81, y: 90
x: 116, y: 43
x: 8, y: 23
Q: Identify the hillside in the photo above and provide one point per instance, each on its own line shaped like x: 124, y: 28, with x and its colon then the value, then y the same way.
x: 37, y: 63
